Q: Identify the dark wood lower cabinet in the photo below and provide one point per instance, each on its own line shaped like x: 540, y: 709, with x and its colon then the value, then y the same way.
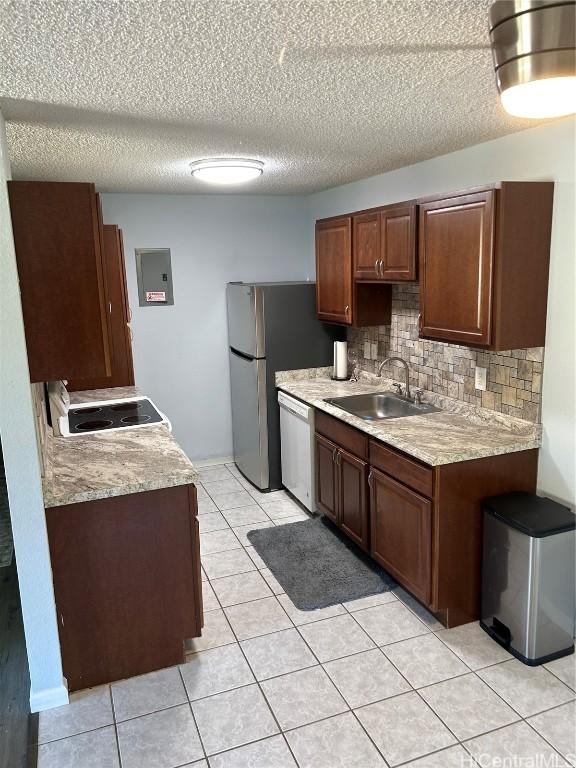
x: 341, y: 489
x: 401, y: 535
x: 326, y: 481
x: 423, y: 524
x: 127, y: 583
x: 457, y: 534
x: 353, y: 478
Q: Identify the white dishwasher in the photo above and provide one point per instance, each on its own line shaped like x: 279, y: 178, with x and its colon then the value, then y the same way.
x: 297, y: 447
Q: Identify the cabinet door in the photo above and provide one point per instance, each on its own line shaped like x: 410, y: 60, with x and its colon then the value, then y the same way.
x: 326, y: 478
x: 398, y: 243
x: 125, y: 568
x: 366, y: 245
x: 456, y: 255
x: 121, y: 345
x: 334, y: 270
x: 401, y: 533
x: 57, y: 237
x: 353, y: 497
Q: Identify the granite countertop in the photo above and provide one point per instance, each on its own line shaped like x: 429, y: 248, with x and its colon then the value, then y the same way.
x: 112, y: 463
x: 458, y: 432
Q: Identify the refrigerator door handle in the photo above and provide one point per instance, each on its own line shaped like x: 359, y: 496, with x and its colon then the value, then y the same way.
x: 250, y: 416
x: 243, y: 355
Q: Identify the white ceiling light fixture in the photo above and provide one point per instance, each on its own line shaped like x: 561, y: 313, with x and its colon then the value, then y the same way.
x: 227, y: 170
x: 534, y: 51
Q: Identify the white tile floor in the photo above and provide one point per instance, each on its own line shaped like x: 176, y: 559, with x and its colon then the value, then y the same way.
x: 373, y: 683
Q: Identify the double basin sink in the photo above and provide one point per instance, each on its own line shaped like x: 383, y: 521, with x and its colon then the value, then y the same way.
x: 380, y: 406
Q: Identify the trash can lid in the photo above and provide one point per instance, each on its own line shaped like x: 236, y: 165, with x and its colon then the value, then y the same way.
x: 536, y: 516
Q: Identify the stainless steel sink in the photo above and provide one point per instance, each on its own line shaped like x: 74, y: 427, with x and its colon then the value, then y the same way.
x: 379, y: 406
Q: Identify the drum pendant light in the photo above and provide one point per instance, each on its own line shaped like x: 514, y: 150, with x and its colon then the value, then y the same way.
x: 534, y: 51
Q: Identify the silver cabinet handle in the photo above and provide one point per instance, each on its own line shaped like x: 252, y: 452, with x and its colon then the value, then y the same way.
x: 381, y: 267
x: 334, y: 454
x: 376, y: 267
x: 338, y: 458
x: 347, y: 309
x: 370, y: 478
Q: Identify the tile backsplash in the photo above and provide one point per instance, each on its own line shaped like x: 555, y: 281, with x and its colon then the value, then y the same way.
x: 514, y: 378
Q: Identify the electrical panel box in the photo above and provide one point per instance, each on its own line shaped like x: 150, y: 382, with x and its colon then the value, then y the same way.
x: 154, y: 271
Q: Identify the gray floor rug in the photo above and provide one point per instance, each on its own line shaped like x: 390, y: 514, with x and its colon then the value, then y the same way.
x: 317, y: 565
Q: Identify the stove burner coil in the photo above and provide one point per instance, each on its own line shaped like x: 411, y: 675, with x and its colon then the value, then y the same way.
x: 87, y: 426
x: 88, y: 411
x: 126, y: 407
x: 136, y: 419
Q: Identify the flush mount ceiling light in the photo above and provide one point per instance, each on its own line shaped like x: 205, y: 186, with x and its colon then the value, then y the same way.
x: 534, y: 51
x: 226, y: 170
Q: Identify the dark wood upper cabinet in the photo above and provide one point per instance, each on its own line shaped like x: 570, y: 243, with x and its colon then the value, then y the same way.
x: 398, y: 243
x: 456, y: 268
x: 119, y: 317
x: 334, y: 295
x: 481, y: 256
x: 339, y: 299
x: 384, y: 244
x: 484, y: 258
x: 58, y: 239
x: 366, y: 245
x: 401, y: 537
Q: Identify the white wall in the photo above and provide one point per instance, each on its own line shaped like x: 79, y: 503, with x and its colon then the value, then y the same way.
x: 181, y: 352
x: 545, y: 152
x: 23, y: 480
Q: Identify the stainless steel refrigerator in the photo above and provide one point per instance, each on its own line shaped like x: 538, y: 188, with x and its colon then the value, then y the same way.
x: 271, y: 327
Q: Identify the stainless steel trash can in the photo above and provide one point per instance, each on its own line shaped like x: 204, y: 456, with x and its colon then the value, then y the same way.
x: 528, y: 580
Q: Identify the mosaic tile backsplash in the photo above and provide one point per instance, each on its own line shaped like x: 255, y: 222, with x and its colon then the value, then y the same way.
x: 514, y: 378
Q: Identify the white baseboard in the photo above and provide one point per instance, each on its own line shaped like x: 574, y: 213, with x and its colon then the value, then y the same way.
x: 213, y: 462
x: 49, y: 698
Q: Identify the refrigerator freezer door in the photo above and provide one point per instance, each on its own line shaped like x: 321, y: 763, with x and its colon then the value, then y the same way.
x: 249, y: 417
x: 246, y: 319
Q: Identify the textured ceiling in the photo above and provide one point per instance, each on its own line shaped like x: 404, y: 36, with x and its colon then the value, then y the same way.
x: 127, y: 94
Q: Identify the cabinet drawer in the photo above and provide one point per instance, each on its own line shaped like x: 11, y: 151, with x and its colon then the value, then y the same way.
x: 344, y: 436
x: 408, y: 471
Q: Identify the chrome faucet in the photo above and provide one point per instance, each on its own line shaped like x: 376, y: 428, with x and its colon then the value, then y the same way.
x: 406, y: 369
